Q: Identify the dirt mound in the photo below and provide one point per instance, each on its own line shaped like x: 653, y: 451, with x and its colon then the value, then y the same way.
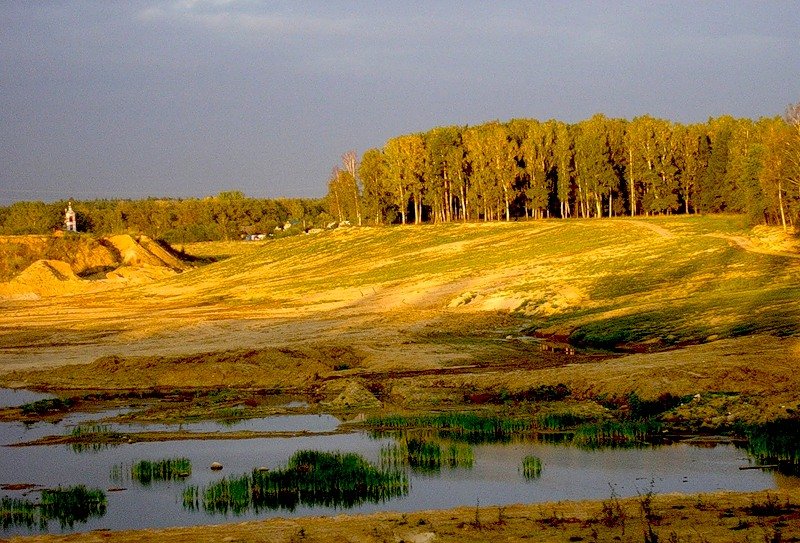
x: 273, y: 367
x: 51, y: 266
x: 355, y: 395
x: 133, y: 253
x: 167, y: 258
x: 43, y: 277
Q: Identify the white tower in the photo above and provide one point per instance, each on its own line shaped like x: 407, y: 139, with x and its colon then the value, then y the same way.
x: 69, y: 219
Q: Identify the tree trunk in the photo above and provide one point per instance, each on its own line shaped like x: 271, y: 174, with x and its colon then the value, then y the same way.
x: 632, y: 189
x: 403, y: 205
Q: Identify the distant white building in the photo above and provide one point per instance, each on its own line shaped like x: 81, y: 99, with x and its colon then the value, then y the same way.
x: 69, y: 219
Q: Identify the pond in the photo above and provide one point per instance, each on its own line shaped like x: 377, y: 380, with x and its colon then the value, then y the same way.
x: 489, y: 474
x: 10, y: 397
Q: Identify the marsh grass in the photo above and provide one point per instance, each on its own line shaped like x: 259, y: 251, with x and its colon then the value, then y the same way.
x: 47, y: 406
x: 68, y: 506
x: 93, y: 437
x: 776, y: 442
x: 17, y: 512
x: 469, y: 427
x: 531, y: 467
x: 636, y: 433
x: 311, y: 478
x: 427, y: 455
x: 562, y: 427
x: 72, y: 504
x: 146, y: 472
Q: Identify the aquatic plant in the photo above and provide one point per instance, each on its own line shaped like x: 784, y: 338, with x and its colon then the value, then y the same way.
x: 469, y: 427
x: 148, y: 471
x: 427, y: 455
x: 93, y: 437
x: 616, y: 434
x: 17, y: 512
x: 66, y: 505
x: 72, y: 504
x: 310, y: 478
x: 47, y: 405
x: 531, y: 467
x: 560, y: 420
x: 776, y: 442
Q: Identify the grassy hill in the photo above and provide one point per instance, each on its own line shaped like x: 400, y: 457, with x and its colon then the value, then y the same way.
x: 601, y: 283
x: 427, y: 312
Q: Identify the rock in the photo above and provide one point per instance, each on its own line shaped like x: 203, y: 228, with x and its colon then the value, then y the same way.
x: 216, y: 466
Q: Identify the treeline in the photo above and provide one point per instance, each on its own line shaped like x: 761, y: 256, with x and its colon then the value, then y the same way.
x: 600, y: 167
x: 229, y: 215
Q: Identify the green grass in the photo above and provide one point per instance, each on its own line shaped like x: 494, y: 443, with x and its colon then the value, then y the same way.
x: 427, y: 455
x: 310, y: 478
x: 660, y: 288
x: 67, y: 505
x: 616, y: 434
x: 776, y: 442
x: 531, y: 468
x: 47, y: 406
x: 93, y: 437
x: 146, y: 472
x: 461, y: 426
x: 18, y: 512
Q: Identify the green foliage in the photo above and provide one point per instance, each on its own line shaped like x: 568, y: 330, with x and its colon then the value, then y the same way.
x: 776, y: 442
x: 66, y: 505
x: 531, y: 467
x: 17, y: 512
x: 310, y: 478
x: 228, y: 215
x: 595, y: 168
x: 427, y: 455
x: 469, y: 427
x: 616, y: 434
x: 146, y: 472
x: 72, y: 504
x: 47, y: 406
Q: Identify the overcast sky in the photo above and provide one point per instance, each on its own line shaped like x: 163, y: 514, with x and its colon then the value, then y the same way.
x: 187, y: 98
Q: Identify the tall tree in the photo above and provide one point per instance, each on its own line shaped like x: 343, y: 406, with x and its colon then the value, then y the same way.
x: 563, y: 152
x: 377, y: 192
x: 350, y: 163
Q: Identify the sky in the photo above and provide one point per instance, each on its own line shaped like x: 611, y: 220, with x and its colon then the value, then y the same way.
x: 189, y: 98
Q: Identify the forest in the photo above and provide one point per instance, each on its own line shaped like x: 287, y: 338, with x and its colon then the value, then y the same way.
x: 228, y: 215
x: 599, y: 167
x: 520, y: 169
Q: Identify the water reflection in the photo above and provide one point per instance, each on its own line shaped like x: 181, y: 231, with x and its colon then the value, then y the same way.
x: 67, y: 506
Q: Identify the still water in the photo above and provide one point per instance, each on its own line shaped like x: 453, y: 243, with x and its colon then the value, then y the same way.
x: 494, y: 478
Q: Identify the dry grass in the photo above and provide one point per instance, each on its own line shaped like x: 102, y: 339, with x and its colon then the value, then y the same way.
x: 708, y: 518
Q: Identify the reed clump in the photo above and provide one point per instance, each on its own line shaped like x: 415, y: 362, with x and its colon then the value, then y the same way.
x: 776, y: 442
x: 469, y: 427
x: 67, y: 505
x: 72, y: 504
x: 93, y: 437
x: 531, y: 467
x: 427, y: 455
x: 311, y: 478
x: 146, y: 472
x: 17, y: 512
x: 629, y: 433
